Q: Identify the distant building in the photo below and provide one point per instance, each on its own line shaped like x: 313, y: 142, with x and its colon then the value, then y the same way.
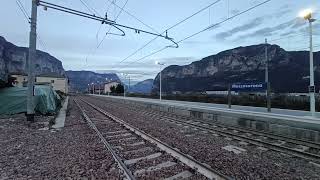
x: 58, y: 83
x: 20, y: 80
x: 98, y: 89
x: 107, y: 86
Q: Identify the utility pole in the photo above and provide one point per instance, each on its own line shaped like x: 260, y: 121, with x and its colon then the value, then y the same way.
x: 124, y: 89
x: 307, y: 15
x: 267, y: 77
x: 129, y: 85
x: 160, y: 90
x: 160, y: 85
x: 311, y: 88
x: 229, y: 96
x: 31, y: 61
x: 99, y: 88
x: 124, y: 84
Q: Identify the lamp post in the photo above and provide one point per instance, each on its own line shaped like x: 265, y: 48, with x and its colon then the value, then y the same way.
x: 99, y: 87
x: 268, y: 97
x: 307, y: 15
x: 92, y: 88
x: 160, y: 87
x: 124, y: 85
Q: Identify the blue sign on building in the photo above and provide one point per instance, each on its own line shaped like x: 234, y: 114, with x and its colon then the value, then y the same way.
x: 249, y: 87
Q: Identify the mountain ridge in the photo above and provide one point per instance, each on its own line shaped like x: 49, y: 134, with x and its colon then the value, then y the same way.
x: 241, y: 64
x: 13, y: 60
x: 143, y: 87
x: 79, y: 80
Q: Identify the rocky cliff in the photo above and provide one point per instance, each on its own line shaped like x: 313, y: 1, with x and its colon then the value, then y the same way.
x: 79, y: 80
x: 143, y: 87
x: 13, y: 60
x: 288, y: 71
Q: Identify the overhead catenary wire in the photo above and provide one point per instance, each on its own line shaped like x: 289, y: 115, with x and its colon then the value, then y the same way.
x: 99, y: 29
x: 91, y: 9
x: 107, y: 31
x: 134, y: 17
x: 23, y: 10
x: 203, y: 30
x: 27, y: 17
x: 97, y: 18
x: 303, y: 48
x: 171, y: 27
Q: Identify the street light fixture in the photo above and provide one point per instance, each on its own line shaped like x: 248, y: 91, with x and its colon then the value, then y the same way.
x: 92, y: 88
x: 160, y: 88
x: 307, y: 15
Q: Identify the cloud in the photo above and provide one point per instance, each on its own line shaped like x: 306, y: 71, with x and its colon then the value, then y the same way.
x: 269, y: 31
x: 283, y: 10
x: 142, y: 70
x: 245, y: 27
x: 316, y: 29
x: 234, y: 11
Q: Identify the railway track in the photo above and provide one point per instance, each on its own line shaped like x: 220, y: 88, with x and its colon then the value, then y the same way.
x: 296, y: 147
x: 139, y: 155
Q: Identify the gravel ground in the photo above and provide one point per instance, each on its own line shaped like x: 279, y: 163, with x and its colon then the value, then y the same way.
x: 252, y: 163
x: 33, y: 152
x: 127, y: 152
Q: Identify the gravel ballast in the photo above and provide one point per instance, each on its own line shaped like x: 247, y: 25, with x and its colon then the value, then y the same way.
x: 32, y: 151
x: 246, y: 162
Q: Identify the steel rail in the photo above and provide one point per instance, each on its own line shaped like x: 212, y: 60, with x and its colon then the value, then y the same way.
x: 117, y: 158
x: 279, y: 148
x: 301, y: 154
x: 186, y: 159
x: 244, y: 130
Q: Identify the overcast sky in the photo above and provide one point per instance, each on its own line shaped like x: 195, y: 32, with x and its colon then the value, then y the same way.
x: 74, y: 40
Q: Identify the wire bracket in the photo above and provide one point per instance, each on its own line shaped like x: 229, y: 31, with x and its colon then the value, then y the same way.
x: 116, y: 34
x: 176, y: 45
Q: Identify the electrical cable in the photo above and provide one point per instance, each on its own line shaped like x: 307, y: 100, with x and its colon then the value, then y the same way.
x: 23, y: 10
x: 203, y: 30
x: 171, y: 27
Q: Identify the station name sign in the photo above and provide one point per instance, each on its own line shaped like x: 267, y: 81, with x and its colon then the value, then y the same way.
x: 247, y: 87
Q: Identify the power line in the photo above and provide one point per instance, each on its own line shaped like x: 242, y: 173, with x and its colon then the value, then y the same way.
x: 151, y: 28
x: 97, y: 18
x: 287, y: 36
x: 108, y: 30
x: 173, y: 26
x: 99, y: 29
x: 113, y: 1
x: 23, y: 10
x: 221, y: 22
x: 303, y: 48
x: 91, y: 9
x: 205, y: 29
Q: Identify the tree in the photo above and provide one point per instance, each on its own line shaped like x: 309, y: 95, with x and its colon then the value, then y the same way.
x: 119, y: 89
x: 113, y: 89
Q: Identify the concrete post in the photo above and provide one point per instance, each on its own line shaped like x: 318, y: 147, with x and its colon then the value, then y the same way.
x: 31, y: 61
x: 160, y: 95
x: 268, y: 97
x: 229, y: 96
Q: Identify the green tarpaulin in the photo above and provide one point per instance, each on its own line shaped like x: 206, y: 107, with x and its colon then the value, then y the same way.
x: 13, y: 100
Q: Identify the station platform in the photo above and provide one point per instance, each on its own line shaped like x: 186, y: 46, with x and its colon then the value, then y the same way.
x: 293, y: 123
